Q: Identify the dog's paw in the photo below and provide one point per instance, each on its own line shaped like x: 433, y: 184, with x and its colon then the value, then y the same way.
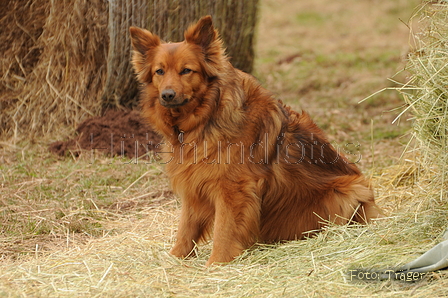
x: 183, y: 252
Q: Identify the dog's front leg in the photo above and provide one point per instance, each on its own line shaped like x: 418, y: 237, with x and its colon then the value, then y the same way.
x: 191, y: 229
x: 237, y: 218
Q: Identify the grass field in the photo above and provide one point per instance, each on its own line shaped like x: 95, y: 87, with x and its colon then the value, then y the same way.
x: 95, y: 226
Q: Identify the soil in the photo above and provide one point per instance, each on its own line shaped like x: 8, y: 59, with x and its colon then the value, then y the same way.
x: 117, y: 133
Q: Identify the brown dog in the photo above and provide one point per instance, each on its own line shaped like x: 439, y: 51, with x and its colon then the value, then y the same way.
x: 239, y: 158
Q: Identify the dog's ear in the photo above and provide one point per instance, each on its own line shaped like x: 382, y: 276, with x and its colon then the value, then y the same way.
x: 143, y: 43
x: 206, y: 36
x: 202, y: 33
x: 143, y: 40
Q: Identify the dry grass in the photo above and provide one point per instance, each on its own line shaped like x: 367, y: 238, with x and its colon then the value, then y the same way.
x: 426, y: 93
x: 135, y: 262
x: 103, y: 228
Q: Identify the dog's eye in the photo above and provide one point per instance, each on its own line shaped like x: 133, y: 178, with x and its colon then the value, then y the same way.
x: 185, y: 71
x: 160, y: 72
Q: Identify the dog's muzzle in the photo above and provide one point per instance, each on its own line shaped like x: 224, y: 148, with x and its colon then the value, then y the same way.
x: 169, y: 99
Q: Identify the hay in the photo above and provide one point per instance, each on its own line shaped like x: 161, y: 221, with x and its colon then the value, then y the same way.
x: 426, y: 92
x: 137, y: 264
x: 63, y: 87
x: 20, y: 53
x: 120, y: 247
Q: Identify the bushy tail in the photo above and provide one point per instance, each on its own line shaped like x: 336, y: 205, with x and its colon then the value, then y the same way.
x: 355, y: 198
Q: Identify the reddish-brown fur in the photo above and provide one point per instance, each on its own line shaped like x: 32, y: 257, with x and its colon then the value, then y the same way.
x: 246, y: 167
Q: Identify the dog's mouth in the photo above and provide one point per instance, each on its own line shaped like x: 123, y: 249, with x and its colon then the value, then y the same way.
x: 173, y: 104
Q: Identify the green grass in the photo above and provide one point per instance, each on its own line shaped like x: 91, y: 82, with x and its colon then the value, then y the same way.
x: 310, y: 18
x: 45, y: 195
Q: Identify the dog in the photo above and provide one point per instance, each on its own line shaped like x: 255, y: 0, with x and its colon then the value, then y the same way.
x: 247, y: 167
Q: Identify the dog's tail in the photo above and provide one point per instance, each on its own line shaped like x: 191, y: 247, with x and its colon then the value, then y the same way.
x: 354, y: 198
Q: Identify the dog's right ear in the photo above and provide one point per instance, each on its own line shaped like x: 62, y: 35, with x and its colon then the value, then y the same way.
x: 143, y: 42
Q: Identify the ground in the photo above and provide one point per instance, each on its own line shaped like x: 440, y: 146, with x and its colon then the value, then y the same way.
x: 95, y: 225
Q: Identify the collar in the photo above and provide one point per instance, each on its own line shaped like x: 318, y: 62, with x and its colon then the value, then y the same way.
x: 179, y: 133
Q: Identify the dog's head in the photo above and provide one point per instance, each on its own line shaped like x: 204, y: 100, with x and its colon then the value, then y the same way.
x: 178, y: 72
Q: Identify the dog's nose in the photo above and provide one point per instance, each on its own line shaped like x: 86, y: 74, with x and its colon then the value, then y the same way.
x: 168, y: 95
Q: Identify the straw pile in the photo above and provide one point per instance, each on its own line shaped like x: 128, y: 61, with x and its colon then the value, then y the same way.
x: 136, y: 263
x: 72, y: 61
x: 426, y: 92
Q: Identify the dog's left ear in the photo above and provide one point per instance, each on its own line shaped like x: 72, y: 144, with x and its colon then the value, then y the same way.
x: 202, y: 33
x: 206, y: 36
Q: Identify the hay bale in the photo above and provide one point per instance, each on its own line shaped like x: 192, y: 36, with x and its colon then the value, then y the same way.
x: 73, y: 61
x: 20, y: 53
x: 65, y: 84
x: 426, y: 92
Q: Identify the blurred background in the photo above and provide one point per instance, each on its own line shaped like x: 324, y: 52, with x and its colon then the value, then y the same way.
x: 65, y: 61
